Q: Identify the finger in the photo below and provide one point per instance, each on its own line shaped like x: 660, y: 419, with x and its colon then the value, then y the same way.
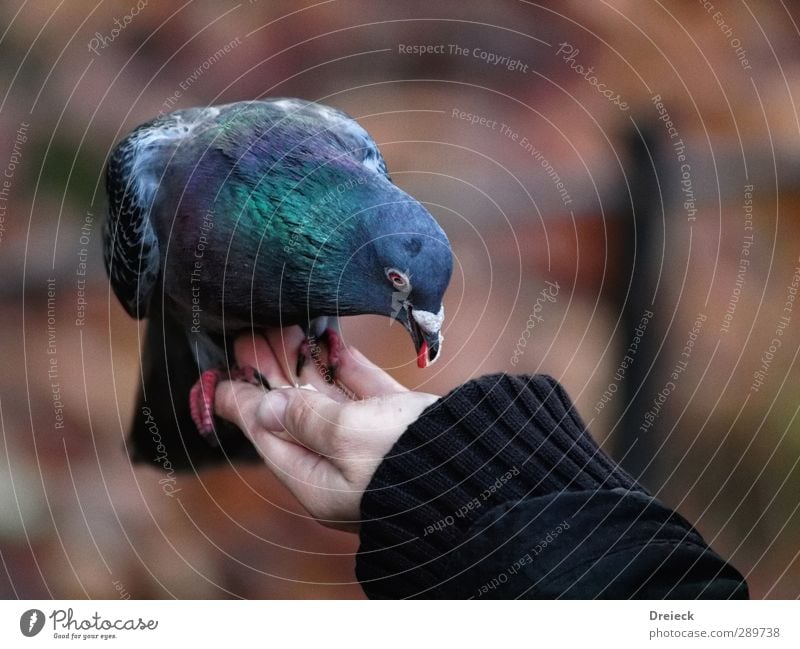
x: 258, y: 414
x: 253, y: 350
x: 285, y: 344
x: 365, y: 379
x: 304, y: 416
x: 238, y: 403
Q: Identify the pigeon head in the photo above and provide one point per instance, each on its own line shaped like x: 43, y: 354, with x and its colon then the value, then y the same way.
x: 403, y: 264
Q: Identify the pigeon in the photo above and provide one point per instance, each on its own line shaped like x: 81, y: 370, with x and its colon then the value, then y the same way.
x: 235, y: 218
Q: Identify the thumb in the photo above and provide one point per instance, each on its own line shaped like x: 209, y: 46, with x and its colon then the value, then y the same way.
x: 306, y: 417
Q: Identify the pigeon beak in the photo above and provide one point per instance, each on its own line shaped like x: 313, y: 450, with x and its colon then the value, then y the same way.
x: 426, y: 332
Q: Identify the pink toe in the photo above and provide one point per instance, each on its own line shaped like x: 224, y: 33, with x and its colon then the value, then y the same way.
x: 201, y: 401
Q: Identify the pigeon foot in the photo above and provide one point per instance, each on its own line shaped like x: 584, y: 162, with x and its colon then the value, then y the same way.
x: 203, y: 394
x: 311, y: 349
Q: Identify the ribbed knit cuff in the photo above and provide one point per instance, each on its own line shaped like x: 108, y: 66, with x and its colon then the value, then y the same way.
x: 495, y: 439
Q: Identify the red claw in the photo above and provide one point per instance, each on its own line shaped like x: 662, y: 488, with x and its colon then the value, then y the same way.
x: 201, y: 401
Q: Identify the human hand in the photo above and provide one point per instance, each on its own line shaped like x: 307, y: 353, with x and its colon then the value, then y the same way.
x: 323, y: 441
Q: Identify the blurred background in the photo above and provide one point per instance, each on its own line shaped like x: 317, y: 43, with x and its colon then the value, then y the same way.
x: 637, y: 161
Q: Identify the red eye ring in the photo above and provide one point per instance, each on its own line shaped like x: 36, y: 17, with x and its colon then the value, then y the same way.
x: 398, y: 279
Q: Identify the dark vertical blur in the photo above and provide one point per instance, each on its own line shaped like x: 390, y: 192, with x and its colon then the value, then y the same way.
x: 642, y: 241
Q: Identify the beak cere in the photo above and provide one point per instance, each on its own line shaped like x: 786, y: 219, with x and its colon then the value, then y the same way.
x: 426, y: 331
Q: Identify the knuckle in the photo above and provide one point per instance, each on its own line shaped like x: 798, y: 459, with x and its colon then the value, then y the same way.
x: 300, y: 415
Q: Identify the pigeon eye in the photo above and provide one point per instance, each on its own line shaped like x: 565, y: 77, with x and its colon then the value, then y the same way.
x: 399, y: 280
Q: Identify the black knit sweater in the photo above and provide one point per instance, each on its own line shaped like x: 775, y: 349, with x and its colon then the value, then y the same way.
x: 498, y: 490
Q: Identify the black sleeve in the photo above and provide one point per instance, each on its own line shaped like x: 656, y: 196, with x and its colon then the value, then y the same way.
x: 499, y: 491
